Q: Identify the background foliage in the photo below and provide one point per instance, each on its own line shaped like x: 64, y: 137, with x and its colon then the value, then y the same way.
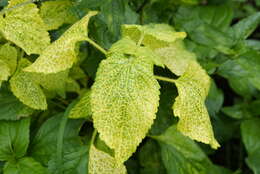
x: 36, y: 135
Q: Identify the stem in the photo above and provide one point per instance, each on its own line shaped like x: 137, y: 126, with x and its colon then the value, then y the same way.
x: 165, y: 79
x: 97, y: 46
x: 93, y: 137
x: 61, y: 136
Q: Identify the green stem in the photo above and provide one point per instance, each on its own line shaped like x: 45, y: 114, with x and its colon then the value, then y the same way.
x: 97, y: 46
x: 165, y: 79
x: 93, y: 137
x: 61, y: 137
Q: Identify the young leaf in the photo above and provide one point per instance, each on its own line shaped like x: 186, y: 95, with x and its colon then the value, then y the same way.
x: 82, y: 109
x: 14, y: 139
x: 124, y: 100
x: 25, y: 89
x: 129, y: 47
x: 190, y: 107
x: 102, y: 163
x: 175, y: 57
x: 24, y: 27
x: 8, y: 54
x: 61, y: 55
x: 24, y: 165
x: 153, y: 35
x: 56, y: 13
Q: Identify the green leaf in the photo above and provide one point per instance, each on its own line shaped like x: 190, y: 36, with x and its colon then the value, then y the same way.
x: 246, y: 26
x: 14, y: 139
x: 8, y: 54
x: 24, y: 165
x: 153, y: 164
x: 102, y: 163
x: 57, y: 13
x: 215, y: 99
x: 11, y: 108
x: 250, y: 130
x: 24, y: 27
x: 189, y: 106
x: 61, y: 55
x: 4, y: 71
x: 207, y: 25
x: 82, y: 108
x: 44, y: 144
x: 181, y: 155
x: 25, y: 89
x: 124, y: 100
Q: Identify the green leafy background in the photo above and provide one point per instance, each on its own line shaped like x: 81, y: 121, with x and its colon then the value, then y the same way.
x: 130, y: 86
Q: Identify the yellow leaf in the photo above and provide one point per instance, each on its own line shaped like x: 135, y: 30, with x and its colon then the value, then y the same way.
x: 61, y: 55
x: 102, y: 163
x: 24, y: 27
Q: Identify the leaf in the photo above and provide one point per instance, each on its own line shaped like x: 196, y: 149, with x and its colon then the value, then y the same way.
x: 250, y: 130
x: 246, y: 26
x: 61, y: 55
x: 24, y: 27
x: 44, y: 144
x: 189, y: 106
x: 11, y: 108
x: 113, y: 13
x: 57, y: 13
x: 215, y: 99
x: 181, y: 155
x: 82, y: 108
x: 53, y: 82
x: 176, y: 57
x: 14, y: 139
x: 24, y: 165
x: 25, y: 89
x: 4, y: 71
x: 102, y: 163
x: 8, y: 54
x: 153, y: 164
x: 124, y: 100
x: 129, y: 47
x: 75, y: 160
x: 153, y: 35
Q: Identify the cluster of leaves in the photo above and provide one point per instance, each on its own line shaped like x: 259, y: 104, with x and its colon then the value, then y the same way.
x: 129, y: 86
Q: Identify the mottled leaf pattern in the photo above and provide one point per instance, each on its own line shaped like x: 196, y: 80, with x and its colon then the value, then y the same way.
x: 4, y: 71
x: 175, y: 57
x: 8, y: 54
x: 124, y: 100
x: 56, y: 13
x: 102, y: 163
x: 189, y: 106
x: 26, y: 90
x: 24, y: 27
x: 61, y: 55
x: 82, y: 108
x: 153, y: 35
